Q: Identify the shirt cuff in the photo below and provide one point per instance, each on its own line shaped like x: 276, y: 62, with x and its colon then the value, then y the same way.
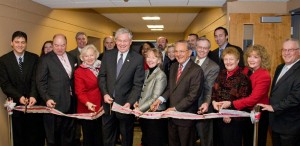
x: 162, y: 99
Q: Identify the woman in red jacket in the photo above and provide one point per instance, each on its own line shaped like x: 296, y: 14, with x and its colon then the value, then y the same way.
x: 258, y: 65
x: 89, y: 95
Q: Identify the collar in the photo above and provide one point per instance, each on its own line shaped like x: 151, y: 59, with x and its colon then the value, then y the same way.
x: 184, y: 64
x: 230, y: 73
x: 224, y: 46
x: 17, y: 56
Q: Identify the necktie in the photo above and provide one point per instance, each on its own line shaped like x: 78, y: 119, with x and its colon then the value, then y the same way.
x: 119, y: 64
x: 283, y: 71
x: 220, y: 52
x: 198, y: 61
x: 21, y: 65
x: 179, y: 73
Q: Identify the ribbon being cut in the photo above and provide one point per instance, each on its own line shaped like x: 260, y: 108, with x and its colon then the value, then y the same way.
x: 147, y: 115
x: 189, y: 116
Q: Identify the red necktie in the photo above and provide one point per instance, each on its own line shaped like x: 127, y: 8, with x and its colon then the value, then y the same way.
x: 179, y: 73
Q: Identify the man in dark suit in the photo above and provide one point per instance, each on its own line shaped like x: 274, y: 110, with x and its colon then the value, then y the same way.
x: 192, y: 39
x: 183, y: 90
x: 211, y: 71
x: 284, y: 105
x: 120, y: 79
x: 81, y: 40
x: 221, y: 38
x: 109, y: 44
x: 17, y: 79
x: 161, y: 43
x: 55, y: 85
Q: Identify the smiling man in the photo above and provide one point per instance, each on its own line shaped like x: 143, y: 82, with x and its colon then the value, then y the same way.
x: 81, y: 40
x: 183, y: 90
x: 284, y: 105
x: 121, y: 79
x: 221, y: 38
x: 17, y: 79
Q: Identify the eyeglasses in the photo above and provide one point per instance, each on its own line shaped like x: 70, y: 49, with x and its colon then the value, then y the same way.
x: 181, y: 51
x: 202, y: 48
x: 289, y: 50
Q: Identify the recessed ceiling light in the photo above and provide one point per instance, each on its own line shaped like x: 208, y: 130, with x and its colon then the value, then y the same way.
x: 151, y: 18
x: 156, y: 29
x: 155, y: 26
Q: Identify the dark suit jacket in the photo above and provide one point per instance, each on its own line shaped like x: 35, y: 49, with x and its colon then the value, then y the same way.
x: 184, y: 94
x: 214, y: 55
x: 54, y: 83
x: 285, y: 100
x: 75, y: 53
x: 128, y: 85
x: 13, y: 84
x: 211, y: 71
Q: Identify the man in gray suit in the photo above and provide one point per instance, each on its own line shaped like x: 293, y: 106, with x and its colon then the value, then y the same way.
x: 211, y: 71
x: 120, y: 79
x: 81, y: 40
x: 55, y: 85
x: 284, y: 105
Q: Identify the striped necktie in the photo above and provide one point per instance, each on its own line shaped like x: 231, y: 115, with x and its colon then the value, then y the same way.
x: 179, y: 73
x: 21, y: 65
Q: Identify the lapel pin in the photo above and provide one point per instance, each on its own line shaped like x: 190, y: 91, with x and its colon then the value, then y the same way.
x: 127, y: 60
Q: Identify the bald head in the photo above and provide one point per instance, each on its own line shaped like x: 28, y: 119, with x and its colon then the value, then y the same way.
x: 59, y: 44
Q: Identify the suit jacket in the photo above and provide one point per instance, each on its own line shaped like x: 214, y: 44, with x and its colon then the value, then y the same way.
x: 260, y: 83
x: 214, y: 55
x: 127, y: 87
x: 86, y: 89
x: 184, y: 94
x: 54, y: 83
x: 211, y: 71
x: 153, y: 87
x: 13, y: 83
x: 285, y: 100
x: 75, y: 53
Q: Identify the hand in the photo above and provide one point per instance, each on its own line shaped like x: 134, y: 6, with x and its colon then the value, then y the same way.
x: 226, y: 104
x: 170, y: 109
x: 203, y: 108
x: 266, y: 107
x: 50, y: 103
x: 108, y: 99
x: 155, y: 105
x: 136, y: 105
x: 32, y: 101
x: 217, y: 105
x: 23, y: 100
x: 227, y: 119
x: 138, y: 111
x: 90, y: 106
x: 126, y: 105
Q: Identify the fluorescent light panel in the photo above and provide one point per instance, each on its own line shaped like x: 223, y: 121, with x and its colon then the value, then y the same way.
x: 151, y: 18
x: 155, y: 26
x: 156, y: 29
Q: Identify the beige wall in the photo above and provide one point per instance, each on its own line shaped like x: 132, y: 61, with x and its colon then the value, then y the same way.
x: 257, y: 7
x: 205, y: 23
x: 293, y: 4
x: 172, y: 37
x: 41, y: 23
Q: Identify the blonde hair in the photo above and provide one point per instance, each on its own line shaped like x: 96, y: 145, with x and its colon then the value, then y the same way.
x: 231, y: 50
x: 262, y: 53
x: 156, y: 53
x: 86, y: 48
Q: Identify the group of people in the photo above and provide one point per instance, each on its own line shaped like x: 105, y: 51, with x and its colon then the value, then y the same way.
x: 185, y: 76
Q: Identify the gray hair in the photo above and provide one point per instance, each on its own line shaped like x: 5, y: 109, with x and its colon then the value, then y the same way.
x: 79, y: 33
x: 123, y: 31
x: 205, y: 39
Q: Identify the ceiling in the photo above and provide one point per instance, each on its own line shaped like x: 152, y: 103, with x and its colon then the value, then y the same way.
x: 175, y: 15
